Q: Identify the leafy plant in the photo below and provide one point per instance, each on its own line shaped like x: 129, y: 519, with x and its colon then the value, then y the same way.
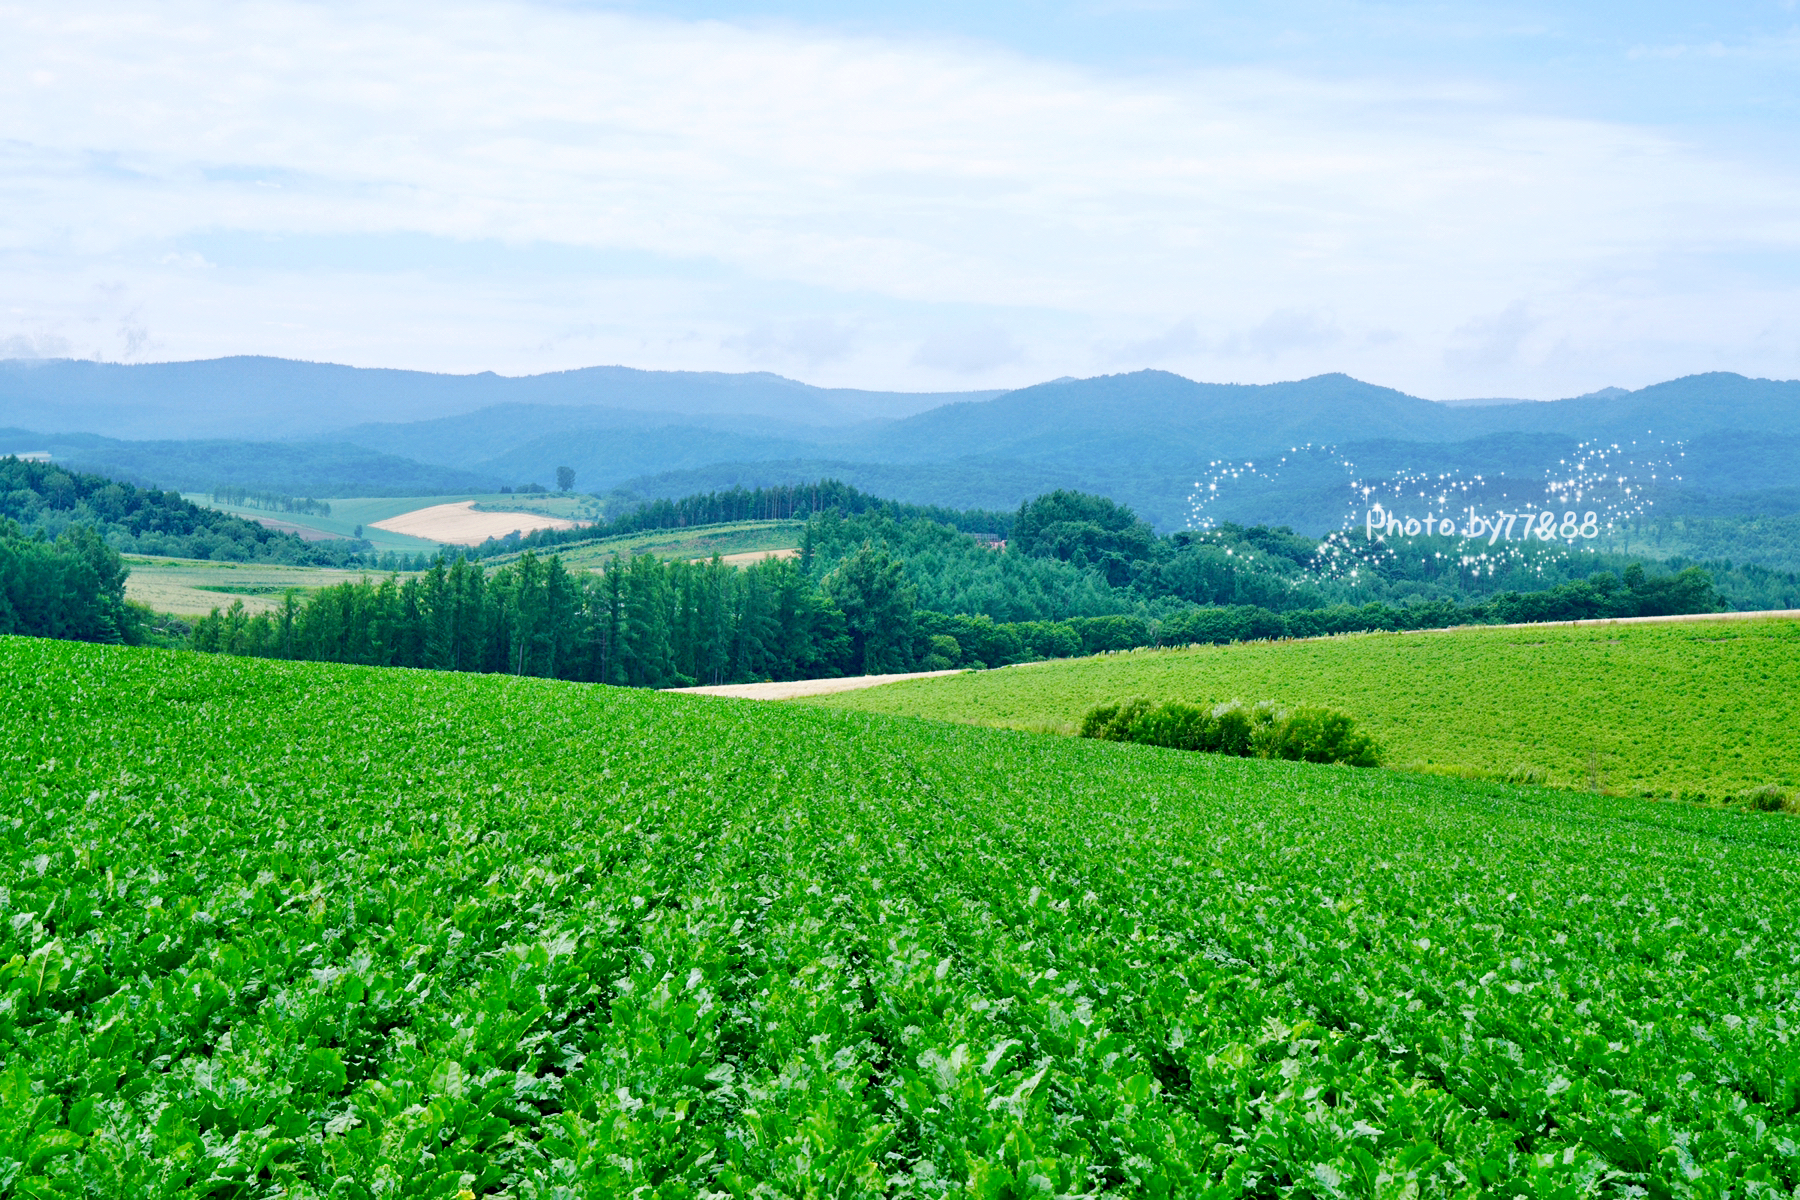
x: 303, y: 929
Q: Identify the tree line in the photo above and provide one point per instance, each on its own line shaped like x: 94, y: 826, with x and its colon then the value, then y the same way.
x: 647, y: 622
x: 270, y: 501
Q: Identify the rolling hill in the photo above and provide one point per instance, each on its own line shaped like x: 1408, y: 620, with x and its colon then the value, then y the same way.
x: 260, y: 942
x: 1700, y: 708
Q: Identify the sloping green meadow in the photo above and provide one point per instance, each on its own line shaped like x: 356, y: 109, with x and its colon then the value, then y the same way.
x: 1702, y: 709
x: 300, y: 929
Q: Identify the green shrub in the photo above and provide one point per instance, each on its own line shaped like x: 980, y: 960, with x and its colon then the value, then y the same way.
x: 1113, y: 722
x: 1319, y: 735
x: 1231, y: 730
x: 1176, y: 725
x: 1098, y: 720
x: 1764, y: 799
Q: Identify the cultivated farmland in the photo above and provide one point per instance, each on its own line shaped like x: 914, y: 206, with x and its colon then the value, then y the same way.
x: 309, y: 929
x: 189, y: 587
x: 1701, y: 709
x: 738, y: 542
x: 371, y: 514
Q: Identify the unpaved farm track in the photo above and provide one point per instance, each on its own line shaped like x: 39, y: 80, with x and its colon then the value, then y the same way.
x: 796, y: 688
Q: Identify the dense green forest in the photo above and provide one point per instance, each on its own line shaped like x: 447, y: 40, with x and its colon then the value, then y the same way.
x: 49, y: 499
x: 1770, y: 539
x: 1071, y: 554
x: 73, y: 587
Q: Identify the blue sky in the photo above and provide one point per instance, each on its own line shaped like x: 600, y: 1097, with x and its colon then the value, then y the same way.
x: 1454, y: 199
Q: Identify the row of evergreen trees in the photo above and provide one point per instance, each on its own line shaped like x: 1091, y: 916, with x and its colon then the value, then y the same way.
x: 642, y: 623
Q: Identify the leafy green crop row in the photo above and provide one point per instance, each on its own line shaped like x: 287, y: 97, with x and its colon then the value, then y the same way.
x: 305, y: 929
x: 1701, y: 710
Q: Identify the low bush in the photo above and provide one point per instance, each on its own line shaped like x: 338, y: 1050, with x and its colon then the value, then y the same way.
x: 1763, y: 799
x: 1306, y: 734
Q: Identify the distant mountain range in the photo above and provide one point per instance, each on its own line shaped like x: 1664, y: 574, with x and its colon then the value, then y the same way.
x: 1143, y: 438
x: 278, y: 399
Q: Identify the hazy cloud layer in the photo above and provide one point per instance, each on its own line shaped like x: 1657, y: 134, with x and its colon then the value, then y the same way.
x: 472, y: 186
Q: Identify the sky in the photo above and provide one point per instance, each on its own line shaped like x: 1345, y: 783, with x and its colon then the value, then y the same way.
x: 1458, y: 200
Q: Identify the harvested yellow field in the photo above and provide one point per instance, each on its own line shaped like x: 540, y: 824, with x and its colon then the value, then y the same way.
x: 461, y: 524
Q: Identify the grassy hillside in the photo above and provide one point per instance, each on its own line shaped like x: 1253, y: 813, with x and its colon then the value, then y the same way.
x: 298, y: 929
x: 188, y: 587
x: 1666, y: 709
x: 729, y: 539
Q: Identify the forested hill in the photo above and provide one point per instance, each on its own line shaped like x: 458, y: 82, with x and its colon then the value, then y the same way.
x: 296, y: 468
x: 1041, y: 421
x: 1147, y: 437
x: 46, y: 499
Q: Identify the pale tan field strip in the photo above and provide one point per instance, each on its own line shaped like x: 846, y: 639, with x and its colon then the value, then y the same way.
x: 749, y: 557
x: 796, y: 688
x: 459, y: 524
x: 305, y: 532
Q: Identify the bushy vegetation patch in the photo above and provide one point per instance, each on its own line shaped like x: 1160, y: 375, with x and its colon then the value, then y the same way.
x: 1265, y: 730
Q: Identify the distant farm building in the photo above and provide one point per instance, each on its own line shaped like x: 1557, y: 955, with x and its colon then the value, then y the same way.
x: 31, y: 455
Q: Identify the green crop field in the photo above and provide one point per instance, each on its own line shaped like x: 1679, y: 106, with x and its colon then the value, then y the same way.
x: 305, y: 930
x: 1704, y: 708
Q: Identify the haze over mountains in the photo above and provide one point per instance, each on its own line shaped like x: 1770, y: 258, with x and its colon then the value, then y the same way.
x: 1143, y: 438
x: 266, y: 399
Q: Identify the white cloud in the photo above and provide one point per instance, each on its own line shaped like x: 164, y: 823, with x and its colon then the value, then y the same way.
x: 968, y: 351
x: 911, y: 192
x: 810, y: 342
x: 1492, y: 341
